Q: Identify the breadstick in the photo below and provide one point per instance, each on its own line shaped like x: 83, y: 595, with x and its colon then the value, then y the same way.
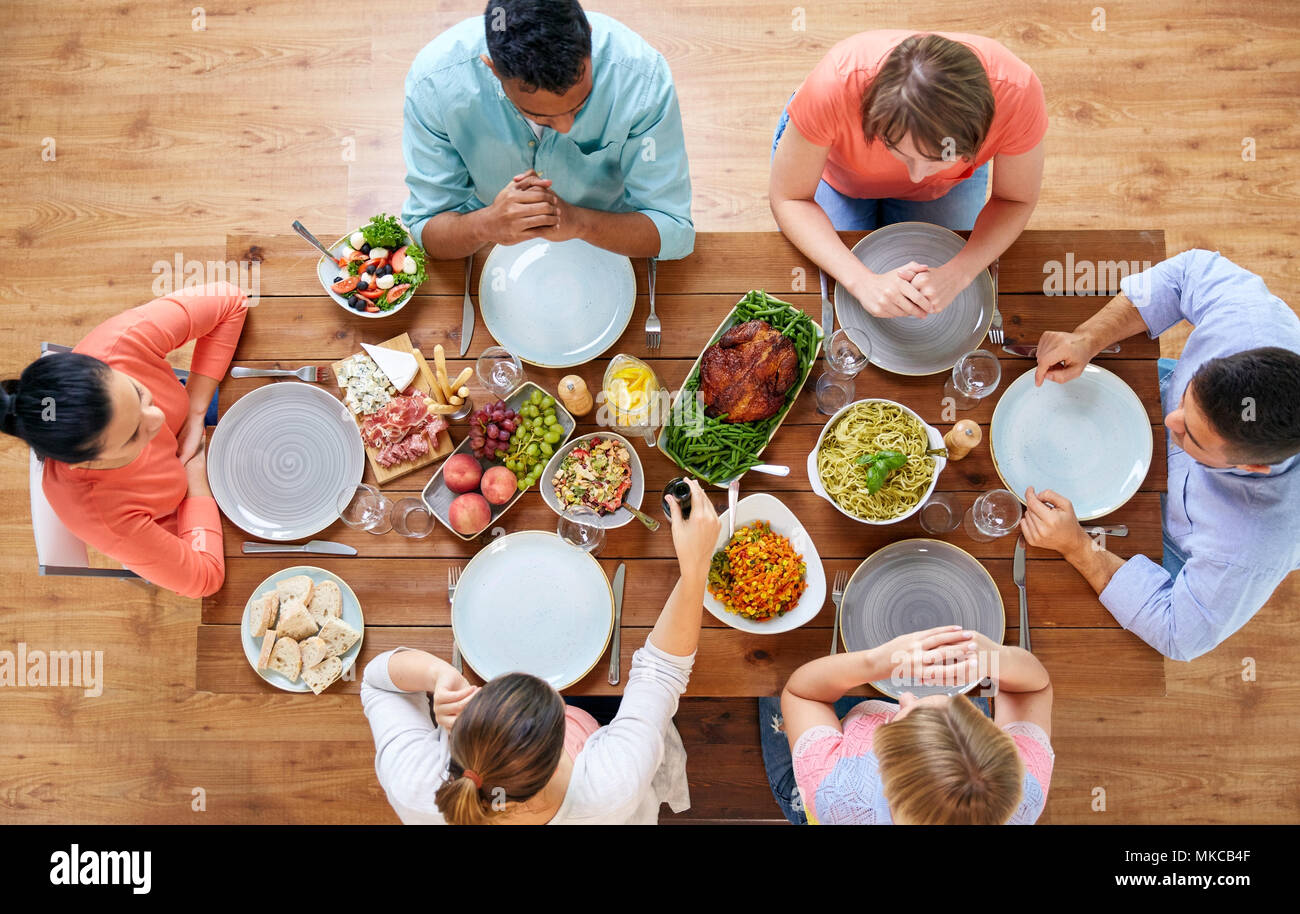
x: 463, y: 393
x: 442, y: 409
x: 457, y: 401
x: 440, y: 368
x: 461, y: 378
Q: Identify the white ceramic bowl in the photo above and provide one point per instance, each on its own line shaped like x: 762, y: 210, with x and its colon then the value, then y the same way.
x: 766, y: 508
x: 326, y: 270
x: 932, y: 433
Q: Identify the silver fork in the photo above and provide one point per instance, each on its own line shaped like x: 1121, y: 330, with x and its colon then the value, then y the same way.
x: 306, y: 373
x: 837, y: 597
x: 652, y: 325
x: 453, y: 577
x: 995, y: 329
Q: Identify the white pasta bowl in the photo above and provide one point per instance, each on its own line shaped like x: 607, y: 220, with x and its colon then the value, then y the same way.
x: 932, y: 433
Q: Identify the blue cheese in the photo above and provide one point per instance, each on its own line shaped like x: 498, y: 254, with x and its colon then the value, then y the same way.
x: 365, y: 388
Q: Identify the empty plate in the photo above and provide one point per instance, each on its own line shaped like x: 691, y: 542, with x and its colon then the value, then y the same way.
x: 913, y: 345
x: 531, y: 603
x: 556, y: 304
x: 279, y: 459
x: 914, y: 585
x: 1088, y: 439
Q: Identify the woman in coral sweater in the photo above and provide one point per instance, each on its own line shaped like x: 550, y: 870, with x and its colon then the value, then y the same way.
x: 122, y: 439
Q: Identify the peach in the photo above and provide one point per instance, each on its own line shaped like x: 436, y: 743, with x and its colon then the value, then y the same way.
x: 499, y: 485
x: 462, y: 473
x: 469, y: 514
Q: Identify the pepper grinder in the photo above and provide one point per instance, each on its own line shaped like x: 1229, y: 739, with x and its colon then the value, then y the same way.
x: 963, y: 436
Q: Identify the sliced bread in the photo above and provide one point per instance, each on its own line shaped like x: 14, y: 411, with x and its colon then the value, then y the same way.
x: 286, y: 659
x: 263, y: 613
x: 338, y: 636
x: 299, y: 586
x: 326, y: 602
x: 323, y: 675
x: 313, y: 651
x: 295, y: 621
x: 268, y: 643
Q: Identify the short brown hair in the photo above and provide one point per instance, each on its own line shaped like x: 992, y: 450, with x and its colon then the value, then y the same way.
x: 935, y: 89
x: 511, y: 735
x: 949, y: 766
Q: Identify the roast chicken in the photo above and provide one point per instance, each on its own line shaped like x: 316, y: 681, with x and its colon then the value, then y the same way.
x: 747, y: 373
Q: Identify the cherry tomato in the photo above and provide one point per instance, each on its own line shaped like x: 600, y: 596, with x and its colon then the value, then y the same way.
x: 345, y: 285
x: 396, y: 292
x: 371, y: 294
x: 397, y: 259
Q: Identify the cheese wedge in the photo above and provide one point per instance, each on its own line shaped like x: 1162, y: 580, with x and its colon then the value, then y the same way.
x: 398, y: 367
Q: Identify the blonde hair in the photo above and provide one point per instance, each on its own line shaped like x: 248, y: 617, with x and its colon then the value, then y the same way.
x: 935, y: 89
x: 511, y: 736
x: 949, y: 766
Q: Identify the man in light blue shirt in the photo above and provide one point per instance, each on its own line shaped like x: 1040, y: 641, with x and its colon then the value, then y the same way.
x: 539, y: 120
x: 1232, y: 407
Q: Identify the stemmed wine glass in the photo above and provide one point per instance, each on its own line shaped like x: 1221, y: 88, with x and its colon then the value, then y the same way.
x: 974, y: 377
x: 848, y: 351
x: 579, y: 526
x: 994, y: 514
x: 366, y: 508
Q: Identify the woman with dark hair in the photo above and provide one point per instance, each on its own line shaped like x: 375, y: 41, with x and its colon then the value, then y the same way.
x: 893, y: 126
x: 513, y: 753
x: 122, y: 439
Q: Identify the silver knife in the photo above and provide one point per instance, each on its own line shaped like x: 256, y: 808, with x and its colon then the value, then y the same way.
x: 467, y: 319
x: 321, y: 547
x: 615, y: 642
x: 1018, y: 575
x: 1031, y: 352
x: 828, y: 312
x: 733, y: 494
x: 1118, y: 530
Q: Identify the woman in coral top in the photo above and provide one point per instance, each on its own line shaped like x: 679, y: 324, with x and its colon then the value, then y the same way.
x: 893, y: 126
x: 122, y: 439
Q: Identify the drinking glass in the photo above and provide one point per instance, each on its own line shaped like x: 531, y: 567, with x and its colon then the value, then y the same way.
x: 578, y: 527
x: 974, y: 377
x: 412, y: 517
x: 365, y: 508
x: 940, y: 514
x: 994, y: 514
x: 499, y: 371
x: 848, y: 351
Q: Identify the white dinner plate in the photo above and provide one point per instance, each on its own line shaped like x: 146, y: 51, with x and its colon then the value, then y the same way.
x: 351, y: 615
x: 765, y: 507
x: 556, y: 304
x: 1088, y: 439
x: 531, y: 603
x: 279, y: 459
x: 913, y: 345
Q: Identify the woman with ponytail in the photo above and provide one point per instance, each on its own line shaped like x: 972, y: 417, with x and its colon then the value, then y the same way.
x: 513, y: 753
x: 121, y: 438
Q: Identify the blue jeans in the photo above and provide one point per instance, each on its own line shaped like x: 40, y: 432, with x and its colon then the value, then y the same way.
x: 209, y: 418
x: 778, y: 761
x: 957, y: 210
x: 1172, y: 559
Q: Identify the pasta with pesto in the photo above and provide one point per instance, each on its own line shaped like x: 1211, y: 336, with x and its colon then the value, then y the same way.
x: 866, y: 428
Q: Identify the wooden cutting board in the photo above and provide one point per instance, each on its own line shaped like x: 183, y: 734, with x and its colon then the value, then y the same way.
x: 424, y: 381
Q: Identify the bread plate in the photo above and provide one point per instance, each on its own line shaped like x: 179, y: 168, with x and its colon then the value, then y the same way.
x: 351, y: 615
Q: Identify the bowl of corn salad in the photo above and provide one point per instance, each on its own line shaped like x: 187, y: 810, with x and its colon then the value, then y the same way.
x: 768, y: 578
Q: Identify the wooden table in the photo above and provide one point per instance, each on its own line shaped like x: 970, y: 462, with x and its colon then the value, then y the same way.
x: 401, y: 583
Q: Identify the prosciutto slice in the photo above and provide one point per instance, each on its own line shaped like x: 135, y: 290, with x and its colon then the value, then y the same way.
x: 403, y: 430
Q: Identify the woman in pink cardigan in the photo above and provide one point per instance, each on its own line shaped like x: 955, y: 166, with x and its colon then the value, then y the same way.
x: 122, y: 439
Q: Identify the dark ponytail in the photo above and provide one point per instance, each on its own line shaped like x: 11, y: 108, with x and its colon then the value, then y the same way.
x: 60, y: 406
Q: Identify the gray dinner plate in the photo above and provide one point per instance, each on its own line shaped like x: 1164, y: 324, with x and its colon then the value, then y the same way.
x: 913, y: 345
x: 279, y: 459
x: 916, y: 584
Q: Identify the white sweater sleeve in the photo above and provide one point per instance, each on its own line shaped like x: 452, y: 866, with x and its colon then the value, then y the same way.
x: 411, y: 751
x: 618, y: 763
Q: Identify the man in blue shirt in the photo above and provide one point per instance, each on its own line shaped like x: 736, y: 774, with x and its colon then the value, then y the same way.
x: 539, y: 120
x: 1232, y: 407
